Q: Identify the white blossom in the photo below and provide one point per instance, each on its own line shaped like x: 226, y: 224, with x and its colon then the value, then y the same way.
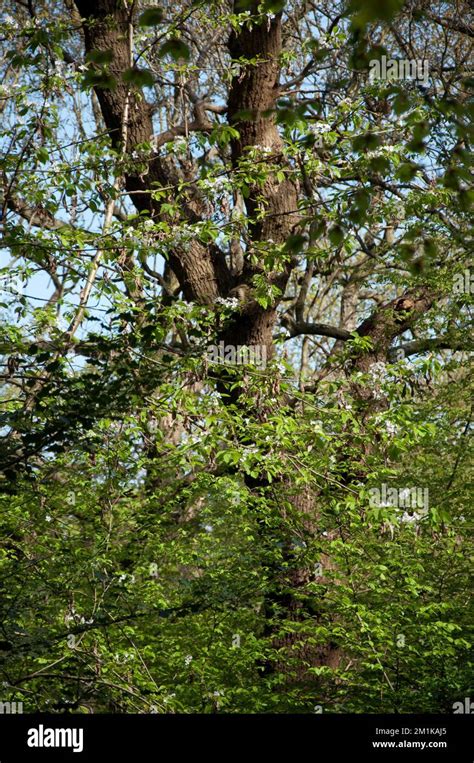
x: 411, y: 518
x: 378, y: 370
x: 320, y: 127
x: 11, y: 22
x: 231, y: 302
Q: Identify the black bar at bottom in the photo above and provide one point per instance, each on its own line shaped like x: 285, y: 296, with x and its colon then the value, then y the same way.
x: 39, y: 737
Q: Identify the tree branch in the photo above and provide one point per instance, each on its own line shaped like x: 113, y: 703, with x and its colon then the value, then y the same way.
x: 36, y: 216
x: 428, y: 345
x: 296, y: 328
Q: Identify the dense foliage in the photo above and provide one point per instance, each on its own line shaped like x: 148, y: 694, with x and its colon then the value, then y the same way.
x: 289, y: 531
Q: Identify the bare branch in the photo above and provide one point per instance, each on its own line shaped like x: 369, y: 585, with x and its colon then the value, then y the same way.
x: 296, y: 328
x: 428, y: 345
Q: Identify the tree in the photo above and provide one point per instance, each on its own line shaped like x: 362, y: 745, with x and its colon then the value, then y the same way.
x: 236, y: 337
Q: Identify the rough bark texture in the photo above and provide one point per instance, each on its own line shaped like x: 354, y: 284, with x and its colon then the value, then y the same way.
x: 251, y: 109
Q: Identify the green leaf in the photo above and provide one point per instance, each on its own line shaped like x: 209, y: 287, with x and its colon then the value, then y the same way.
x: 100, y: 80
x: 295, y: 243
x: 466, y: 199
x: 43, y: 155
x: 430, y: 247
x: 273, y: 6
x: 151, y: 17
x: 223, y: 134
x: 401, y: 103
x: 100, y: 56
x: 139, y: 77
x: 451, y: 178
x: 380, y: 164
x: 176, y: 48
x: 336, y: 235
x: 366, y: 142
x: 407, y: 171
x: 367, y: 11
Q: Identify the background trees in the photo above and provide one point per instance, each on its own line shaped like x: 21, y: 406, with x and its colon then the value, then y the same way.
x: 186, y: 535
